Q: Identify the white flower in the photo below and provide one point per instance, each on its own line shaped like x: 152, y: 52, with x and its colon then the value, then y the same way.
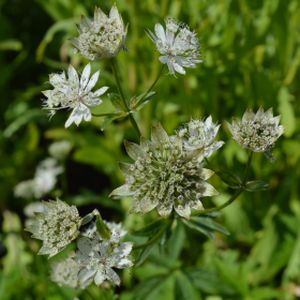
x: 102, y: 37
x: 178, y: 46
x: 200, y: 136
x: 164, y: 176
x: 45, y: 177
x: 44, y: 180
x: 56, y: 225
x: 65, y: 272
x: 74, y: 93
x: 60, y: 149
x: 98, y: 257
x: 257, y: 132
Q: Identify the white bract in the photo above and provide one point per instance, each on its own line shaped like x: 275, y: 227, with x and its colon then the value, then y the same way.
x: 98, y: 257
x: 44, y: 180
x: 200, y: 136
x: 102, y: 37
x: 178, y: 46
x: 257, y: 132
x: 74, y: 93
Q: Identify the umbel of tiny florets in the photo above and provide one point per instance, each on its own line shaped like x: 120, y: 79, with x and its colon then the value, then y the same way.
x: 65, y: 272
x: 56, y: 225
x: 164, y: 176
x: 200, y: 136
x: 257, y: 132
x: 98, y: 256
x: 178, y: 46
x: 72, y: 92
x: 102, y: 37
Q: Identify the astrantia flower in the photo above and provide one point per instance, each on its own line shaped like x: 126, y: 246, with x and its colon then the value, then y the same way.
x: 60, y: 149
x: 257, y: 132
x: 74, y: 93
x: 200, y: 136
x: 164, y: 176
x: 45, y: 177
x: 57, y: 225
x: 44, y: 180
x: 65, y: 272
x: 98, y: 257
x: 102, y: 37
x: 178, y: 46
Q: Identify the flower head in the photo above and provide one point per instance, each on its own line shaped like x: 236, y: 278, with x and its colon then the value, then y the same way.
x: 200, y: 136
x: 257, y: 132
x: 60, y: 149
x: 44, y: 180
x: 74, y: 93
x: 65, y: 272
x: 98, y: 256
x: 178, y: 46
x: 102, y: 37
x: 164, y: 176
x: 57, y: 226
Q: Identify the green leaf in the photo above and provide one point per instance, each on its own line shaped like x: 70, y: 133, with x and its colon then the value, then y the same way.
x: 208, y: 281
x: 205, y: 225
x: 231, y: 179
x: 288, y: 119
x: 149, y: 229
x: 183, y: 288
x: 102, y: 227
x: 138, y: 102
x: 144, y: 253
x: 149, y: 288
x: 176, y: 242
x: 256, y: 185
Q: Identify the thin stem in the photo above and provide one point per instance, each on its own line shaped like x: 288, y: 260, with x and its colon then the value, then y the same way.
x: 235, y: 195
x: 217, y: 208
x: 118, y: 83
x: 104, y: 115
x: 153, y: 83
x: 247, y: 168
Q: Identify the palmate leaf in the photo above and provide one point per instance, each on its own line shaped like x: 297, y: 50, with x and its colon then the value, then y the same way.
x: 205, y: 225
x: 183, y: 288
x: 149, y: 287
x: 149, y: 229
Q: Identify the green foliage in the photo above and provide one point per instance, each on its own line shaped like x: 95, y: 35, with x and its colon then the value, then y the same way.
x: 251, y: 52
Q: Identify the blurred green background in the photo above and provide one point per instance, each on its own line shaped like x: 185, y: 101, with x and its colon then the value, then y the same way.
x: 251, y: 52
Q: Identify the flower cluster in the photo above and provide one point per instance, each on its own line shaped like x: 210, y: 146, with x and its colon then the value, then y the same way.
x: 44, y: 180
x: 164, y: 176
x: 98, y: 256
x: 257, y: 132
x: 56, y: 225
x: 74, y: 93
x: 95, y: 258
x: 178, y: 46
x: 200, y: 136
x: 102, y: 37
x: 60, y: 149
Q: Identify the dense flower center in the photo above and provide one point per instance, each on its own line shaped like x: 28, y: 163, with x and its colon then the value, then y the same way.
x: 167, y: 175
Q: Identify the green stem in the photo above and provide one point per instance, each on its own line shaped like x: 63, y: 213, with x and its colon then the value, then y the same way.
x: 235, y: 195
x: 153, y: 83
x: 119, y: 86
x: 104, y: 115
